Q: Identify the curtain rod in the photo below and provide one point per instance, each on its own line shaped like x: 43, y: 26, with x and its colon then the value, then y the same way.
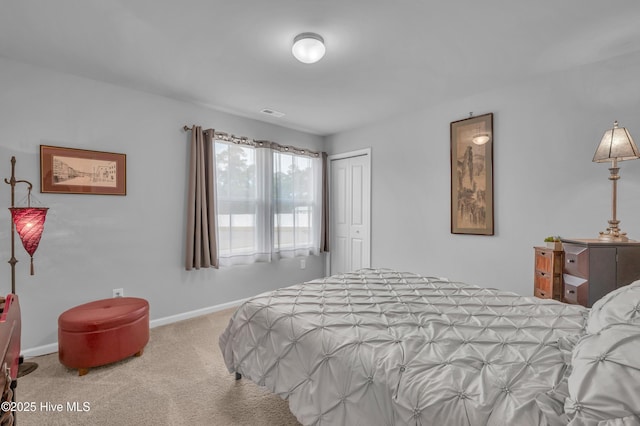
x: 258, y: 143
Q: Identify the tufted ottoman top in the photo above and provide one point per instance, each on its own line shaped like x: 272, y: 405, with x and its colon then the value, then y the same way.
x: 103, y: 314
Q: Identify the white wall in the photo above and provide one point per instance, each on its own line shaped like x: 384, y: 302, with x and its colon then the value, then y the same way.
x: 91, y: 243
x: 546, y: 132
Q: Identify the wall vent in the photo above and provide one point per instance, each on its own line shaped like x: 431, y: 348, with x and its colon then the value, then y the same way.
x: 271, y: 112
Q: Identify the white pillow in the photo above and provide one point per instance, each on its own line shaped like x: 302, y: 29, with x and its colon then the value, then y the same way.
x: 620, y: 306
x: 551, y: 403
x: 625, y: 421
x: 604, y: 383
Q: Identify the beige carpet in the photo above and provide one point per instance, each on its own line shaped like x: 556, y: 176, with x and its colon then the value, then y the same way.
x: 179, y: 380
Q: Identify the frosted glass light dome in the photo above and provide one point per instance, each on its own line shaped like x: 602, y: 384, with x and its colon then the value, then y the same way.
x: 308, y: 48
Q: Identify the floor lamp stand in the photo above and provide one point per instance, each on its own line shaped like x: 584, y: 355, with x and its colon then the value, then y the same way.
x: 24, y: 368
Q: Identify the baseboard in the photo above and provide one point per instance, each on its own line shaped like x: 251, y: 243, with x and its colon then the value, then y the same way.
x: 192, y: 314
x: 40, y: 350
x: 53, y: 347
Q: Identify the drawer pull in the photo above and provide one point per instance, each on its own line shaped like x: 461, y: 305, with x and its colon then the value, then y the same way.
x: 571, y: 291
x: 542, y: 273
x: 571, y: 261
x: 544, y: 253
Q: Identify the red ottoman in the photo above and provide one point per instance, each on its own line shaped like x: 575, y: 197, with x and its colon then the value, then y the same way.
x: 102, y: 332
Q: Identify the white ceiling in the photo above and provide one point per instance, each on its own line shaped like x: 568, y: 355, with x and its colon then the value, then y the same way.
x: 384, y: 57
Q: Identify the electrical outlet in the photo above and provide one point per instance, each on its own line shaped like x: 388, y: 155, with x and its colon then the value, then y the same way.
x: 303, y: 263
x: 118, y: 292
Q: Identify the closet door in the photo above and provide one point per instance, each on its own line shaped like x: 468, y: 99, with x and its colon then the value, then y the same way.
x: 350, y: 213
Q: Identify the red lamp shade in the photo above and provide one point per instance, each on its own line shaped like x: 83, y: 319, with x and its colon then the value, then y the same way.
x: 29, y: 222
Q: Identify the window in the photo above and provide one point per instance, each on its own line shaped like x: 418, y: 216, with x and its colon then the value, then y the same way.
x: 237, y: 196
x: 296, y: 220
x: 268, y: 203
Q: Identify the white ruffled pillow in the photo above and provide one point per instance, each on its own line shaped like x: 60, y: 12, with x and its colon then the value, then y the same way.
x: 604, y: 384
x: 625, y: 421
x: 621, y: 306
x: 551, y: 403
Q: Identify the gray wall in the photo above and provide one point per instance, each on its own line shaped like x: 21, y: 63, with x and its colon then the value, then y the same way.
x: 92, y: 243
x: 546, y: 132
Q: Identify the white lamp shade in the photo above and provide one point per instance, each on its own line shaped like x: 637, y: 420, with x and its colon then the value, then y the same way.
x: 616, y: 144
x: 308, y: 48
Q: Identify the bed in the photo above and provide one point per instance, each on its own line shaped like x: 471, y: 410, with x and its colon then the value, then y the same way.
x: 383, y: 347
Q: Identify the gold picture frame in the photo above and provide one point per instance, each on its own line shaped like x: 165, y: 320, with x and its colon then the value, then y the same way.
x: 81, y: 171
x: 472, y: 176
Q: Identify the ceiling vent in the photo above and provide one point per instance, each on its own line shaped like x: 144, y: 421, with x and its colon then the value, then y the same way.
x: 271, y: 112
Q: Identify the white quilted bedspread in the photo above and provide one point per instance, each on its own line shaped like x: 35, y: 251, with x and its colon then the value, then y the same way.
x: 380, y: 347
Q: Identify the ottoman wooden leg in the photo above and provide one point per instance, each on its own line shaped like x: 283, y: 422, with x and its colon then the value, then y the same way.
x: 82, y: 371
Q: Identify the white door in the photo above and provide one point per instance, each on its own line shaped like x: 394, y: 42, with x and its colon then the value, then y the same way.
x: 350, y: 202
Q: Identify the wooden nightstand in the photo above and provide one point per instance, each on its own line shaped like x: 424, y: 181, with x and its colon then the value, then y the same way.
x: 547, y: 278
x: 594, y: 268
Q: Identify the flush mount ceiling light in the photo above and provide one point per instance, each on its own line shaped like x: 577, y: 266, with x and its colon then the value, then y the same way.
x: 308, y: 48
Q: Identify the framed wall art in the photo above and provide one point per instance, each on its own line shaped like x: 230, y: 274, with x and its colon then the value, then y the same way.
x: 472, y: 175
x: 80, y: 171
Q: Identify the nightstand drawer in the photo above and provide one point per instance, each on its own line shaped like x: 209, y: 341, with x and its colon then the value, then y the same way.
x: 576, y: 290
x: 576, y: 260
x: 544, y: 260
x: 541, y: 294
x: 543, y: 282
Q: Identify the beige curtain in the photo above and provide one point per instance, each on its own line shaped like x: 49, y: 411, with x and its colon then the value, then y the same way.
x: 324, y: 227
x: 202, y: 245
